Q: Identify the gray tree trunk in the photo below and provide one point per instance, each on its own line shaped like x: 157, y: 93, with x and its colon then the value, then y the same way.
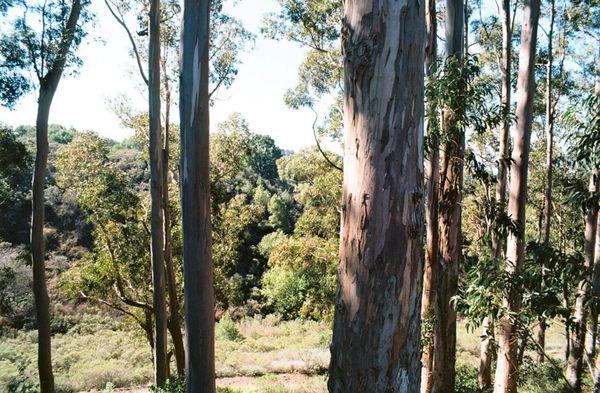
x: 195, y: 199
x: 451, y: 176
x: 575, y: 359
x: 431, y: 212
x: 506, y: 369
x: 156, y: 194
x: 376, y: 334
x: 40, y: 292
x: 48, y: 86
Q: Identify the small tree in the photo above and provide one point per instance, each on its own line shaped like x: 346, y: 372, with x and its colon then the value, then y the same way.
x: 43, y: 39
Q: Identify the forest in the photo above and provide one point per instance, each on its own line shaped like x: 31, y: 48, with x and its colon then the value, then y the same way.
x: 438, y: 233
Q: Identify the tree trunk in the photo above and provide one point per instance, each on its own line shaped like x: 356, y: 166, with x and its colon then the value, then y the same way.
x: 40, y: 292
x: 195, y: 199
x: 506, y: 370
x: 451, y: 177
x: 48, y: 85
x: 376, y: 333
x: 156, y: 193
x: 174, y: 324
x: 431, y: 212
x: 487, y: 352
x: 593, y: 339
x: 575, y: 360
x: 541, y: 334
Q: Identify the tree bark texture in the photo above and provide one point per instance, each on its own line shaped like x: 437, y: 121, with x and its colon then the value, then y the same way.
x: 195, y: 199
x: 506, y: 369
x: 376, y: 334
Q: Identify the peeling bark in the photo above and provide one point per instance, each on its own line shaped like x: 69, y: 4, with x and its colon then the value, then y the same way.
x: 376, y: 334
x: 195, y: 199
x: 506, y: 369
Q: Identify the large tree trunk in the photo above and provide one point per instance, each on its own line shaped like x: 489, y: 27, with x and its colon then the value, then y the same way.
x: 195, y: 199
x: 48, y: 86
x: 156, y: 194
x: 451, y: 177
x: 575, y: 360
x: 376, y: 334
x: 541, y: 334
x: 506, y: 369
x: 40, y: 292
x: 431, y: 212
x: 174, y: 307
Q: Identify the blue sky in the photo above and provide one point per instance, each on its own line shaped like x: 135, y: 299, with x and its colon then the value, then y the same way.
x: 83, y: 101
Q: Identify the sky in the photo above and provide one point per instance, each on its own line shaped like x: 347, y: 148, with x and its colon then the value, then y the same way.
x: 83, y: 101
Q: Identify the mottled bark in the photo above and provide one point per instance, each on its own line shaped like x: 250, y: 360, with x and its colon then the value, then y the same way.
x: 575, y: 360
x: 450, y: 209
x: 195, y: 198
x: 48, y: 86
x: 506, y: 369
x: 431, y: 210
x: 541, y: 333
x: 156, y: 195
x: 376, y: 334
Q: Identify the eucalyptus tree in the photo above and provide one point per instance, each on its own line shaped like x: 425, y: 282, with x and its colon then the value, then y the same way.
x: 195, y: 197
x: 506, y: 369
x: 450, y: 206
x: 376, y: 333
x: 40, y: 40
x: 228, y: 39
x: 432, y: 150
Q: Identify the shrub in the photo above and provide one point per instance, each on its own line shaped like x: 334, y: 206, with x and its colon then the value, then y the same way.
x: 227, y: 330
x: 173, y: 385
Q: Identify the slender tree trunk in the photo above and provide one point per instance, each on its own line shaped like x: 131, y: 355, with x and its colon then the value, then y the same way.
x: 541, y: 334
x: 174, y: 307
x: 376, y: 333
x: 156, y: 193
x: 575, y: 361
x: 431, y: 212
x: 40, y: 292
x: 451, y: 176
x: 195, y: 199
x: 506, y: 370
x: 487, y: 352
x: 596, y: 289
x: 593, y: 339
x: 48, y: 85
